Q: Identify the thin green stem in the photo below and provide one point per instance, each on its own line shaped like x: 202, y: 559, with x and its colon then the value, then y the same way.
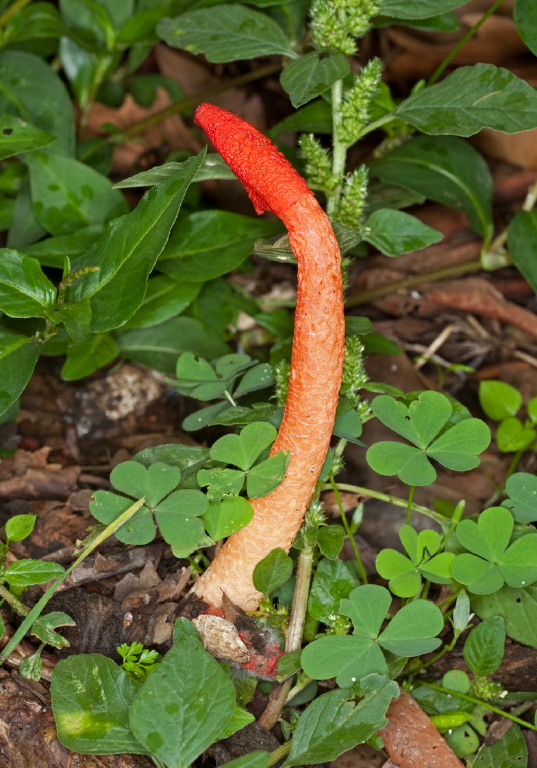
x: 462, y: 42
x: 17, y: 605
x: 296, y: 689
x: 39, y: 606
x: 480, y: 703
x: 377, y: 124
x: 363, y: 574
x: 13, y: 9
x: 367, y: 492
x: 293, y: 635
x: 409, y: 503
x: 279, y: 754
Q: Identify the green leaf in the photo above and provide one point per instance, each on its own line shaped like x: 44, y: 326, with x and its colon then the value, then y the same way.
x: 313, y: 118
x: 85, y: 357
x: 43, y: 628
x: 17, y: 136
x: 348, y: 658
x: 178, y: 520
x: 446, y: 170
x: 459, y: 447
x: 409, y: 463
x: 195, y: 255
x: 525, y: 18
x: 267, y: 475
x: 404, y: 577
x: 24, y: 573
x: 19, y: 527
x: 518, y: 609
x: 367, y: 607
x: 330, y: 540
x: 159, y: 346
x: 251, y: 760
x: 498, y: 399
x: 312, y: 74
x: 221, y: 482
x: 480, y: 576
x: 154, y: 482
x: 412, y: 630
x: 24, y: 289
x: 212, y: 167
x: 39, y: 20
x: 512, y: 435
x: 33, y: 91
x: 227, y: 516
x: 417, y: 9
x: 332, y: 582
x: 420, y: 422
x: 522, y: 502
x: 272, y: 571
x: 189, y: 458
x: 68, y: 195
x: 332, y: 725
x: 52, y: 251
x: 91, y: 697
x: 18, y: 356
x: 165, y: 298
x: 471, y: 98
x: 225, y: 33
x: 521, y: 238
x: 519, y: 563
x: 489, y: 536
x: 510, y: 750
x: 348, y: 426
x: 126, y: 253
x: 395, y: 232
x: 484, y: 647
x: 106, y: 508
x: 185, y: 703
x: 242, y: 450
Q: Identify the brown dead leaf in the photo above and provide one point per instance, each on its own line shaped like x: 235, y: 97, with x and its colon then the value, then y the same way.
x: 362, y: 756
x: 519, y: 149
x: 171, y: 133
x: 27, y: 475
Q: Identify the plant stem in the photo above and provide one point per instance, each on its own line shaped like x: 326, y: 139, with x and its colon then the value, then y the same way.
x: 462, y: 42
x: 339, y: 151
x: 367, y: 492
x: 480, y: 703
x: 279, y: 754
x: 350, y: 536
x: 409, y: 503
x: 293, y: 636
x: 13, y: 9
x: 15, y: 603
x: 185, y: 104
x: 38, y: 607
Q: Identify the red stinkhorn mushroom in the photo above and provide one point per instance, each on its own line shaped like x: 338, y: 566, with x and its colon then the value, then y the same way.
x: 317, y: 358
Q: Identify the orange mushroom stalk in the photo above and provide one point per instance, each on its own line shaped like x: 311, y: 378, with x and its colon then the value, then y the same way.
x: 317, y: 357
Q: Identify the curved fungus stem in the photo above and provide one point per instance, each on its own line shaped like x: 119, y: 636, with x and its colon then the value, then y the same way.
x: 317, y: 357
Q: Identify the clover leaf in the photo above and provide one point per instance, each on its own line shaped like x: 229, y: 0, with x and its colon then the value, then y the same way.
x: 522, y: 490
x: 404, y: 573
x: 176, y: 512
x: 491, y: 560
x: 349, y: 658
x: 429, y: 423
x: 243, y: 451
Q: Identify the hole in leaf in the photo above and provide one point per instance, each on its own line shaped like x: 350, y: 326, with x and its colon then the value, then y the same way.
x: 7, y: 131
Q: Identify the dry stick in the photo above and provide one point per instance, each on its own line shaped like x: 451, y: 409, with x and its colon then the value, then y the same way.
x: 317, y: 358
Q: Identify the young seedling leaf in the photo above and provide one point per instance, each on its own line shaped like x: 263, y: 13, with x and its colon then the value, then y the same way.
x: 484, y: 647
x: 24, y: 573
x: 330, y: 540
x: 512, y: 435
x: 19, y: 527
x: 332, y: 582
x: 273, y: 571
x: 91, y: 697
x: 185, y: 703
